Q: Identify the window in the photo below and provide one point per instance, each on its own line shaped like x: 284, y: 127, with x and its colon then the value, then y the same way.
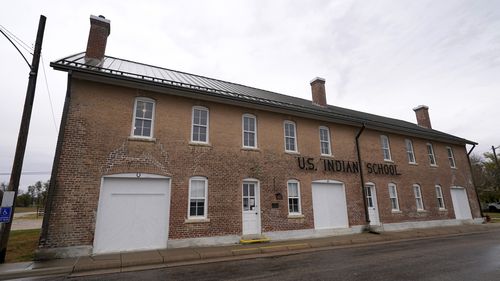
x: 249, y: 131
x: 290, y: 137
x: 199, y: 132
x: 324, y: 140
x: 393, y: 195
x: 294, y: 197
x: 386, y: 150
x: 418, y: 197
x: 198, y: 197
x: 369, y: 195
x: 144, y: 110
x: 439, y: 196
x: 409, y: 151
x: 451, y: 157
x: 430, y: 152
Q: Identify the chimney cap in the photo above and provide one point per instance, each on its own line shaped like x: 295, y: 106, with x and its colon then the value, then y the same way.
x: 100, y: 18
x: 317, y: 79
x: 420, y: 107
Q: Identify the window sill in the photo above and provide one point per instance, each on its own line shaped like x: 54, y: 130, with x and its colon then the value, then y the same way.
x: 434, y: 166
x: 413, y: 163
x: 196, y: 220
x: 256, y: 149
x: 442, y: 210
x: 296, y: 216
x: 396, y: 212
x: 327, y: 156
x: 292, y: 152
x: 144, y: 139
x: 388, y: 161
x: 200, y: 144
x: 454, y: 168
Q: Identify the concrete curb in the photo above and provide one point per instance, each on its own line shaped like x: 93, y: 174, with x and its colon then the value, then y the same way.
x: 134, y: 261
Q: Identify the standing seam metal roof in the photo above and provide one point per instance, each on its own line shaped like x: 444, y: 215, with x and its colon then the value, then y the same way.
x: 121, y: 68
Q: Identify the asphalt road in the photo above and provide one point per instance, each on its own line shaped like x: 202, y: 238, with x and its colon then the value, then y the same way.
x: 467, y: 257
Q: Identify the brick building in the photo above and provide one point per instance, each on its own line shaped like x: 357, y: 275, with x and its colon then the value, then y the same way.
x: 149, y: 157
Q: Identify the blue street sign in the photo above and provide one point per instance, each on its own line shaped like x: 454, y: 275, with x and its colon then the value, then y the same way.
x: 5, y: 214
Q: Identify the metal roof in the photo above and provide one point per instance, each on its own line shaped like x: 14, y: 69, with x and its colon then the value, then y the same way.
x: 143, y: 73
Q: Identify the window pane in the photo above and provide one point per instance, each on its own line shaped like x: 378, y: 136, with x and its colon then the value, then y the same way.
x: 251, y: 187
x: 203, y: 117
x: 196, y: 116
x: 139, y: 110
x: 251, y: 139
x: 203, y: 134
x: 138, y: 127
x: 245, y: 204
x: 197, y: 188
x: 293, y: 190
x: 196, y: 133
x: 148, y: 110
x: 245, y: 189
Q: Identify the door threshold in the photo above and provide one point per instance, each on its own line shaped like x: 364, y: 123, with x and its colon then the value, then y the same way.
x: 253, y: 238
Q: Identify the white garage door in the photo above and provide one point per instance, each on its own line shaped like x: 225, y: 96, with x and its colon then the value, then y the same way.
x: 460, y: 203
x: 329, y: 206
x: 133, y: 214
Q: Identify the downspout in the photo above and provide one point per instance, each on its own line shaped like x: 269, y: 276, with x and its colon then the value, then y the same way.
x: 55, y: 165
x: 474, y: 181
x: 363, y: 191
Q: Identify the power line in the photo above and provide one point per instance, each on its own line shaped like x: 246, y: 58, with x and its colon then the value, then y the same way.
x: 25, y: 46
x: 48, y: 92
x: 15, y: 46
x: 28, y: 173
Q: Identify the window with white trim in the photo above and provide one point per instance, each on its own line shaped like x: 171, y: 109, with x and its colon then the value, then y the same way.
x: 418, y: 197
x: 144, y: 109
x: 439, y: 196
x: 409, y: 151
x: 451, y: 157
x: 430, y: 153
x: 393, y: 195
x: 249, y: 131
x: 198, y: 198
x: 294, y: 197
x: 290, y: 136
x: 386, y: 150
x: 199, y: 131
x: 324, y: 140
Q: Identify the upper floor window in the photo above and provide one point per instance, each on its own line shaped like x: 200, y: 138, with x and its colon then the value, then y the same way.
x: 451, y: 157
x: 430, y: 152
x: 199, y: 132
x: 410, y: 152
x: 290, y: 136
x: 144, y: 109
x: 418, y: 197
x: 249, y: 131
x: 386, y: 150
x: 294, y: 197
x: 324, y: 140
x: 439, y: 196
x: 393, y: 195
x: 198, y: 197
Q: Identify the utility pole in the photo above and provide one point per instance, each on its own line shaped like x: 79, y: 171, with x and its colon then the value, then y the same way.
x: 23, y: 134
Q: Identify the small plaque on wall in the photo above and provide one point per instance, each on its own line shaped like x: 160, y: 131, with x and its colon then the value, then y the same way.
x: 275, y: 205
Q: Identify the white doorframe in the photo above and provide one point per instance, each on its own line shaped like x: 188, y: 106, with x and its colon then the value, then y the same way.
x: 250, y: 206
x: 372, y: 204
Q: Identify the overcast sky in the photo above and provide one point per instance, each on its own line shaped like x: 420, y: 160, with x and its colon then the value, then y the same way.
x: 381, y: 57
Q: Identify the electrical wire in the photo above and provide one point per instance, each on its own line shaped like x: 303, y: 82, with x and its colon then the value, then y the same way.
x: 48, y: 92
x: 25, y: 46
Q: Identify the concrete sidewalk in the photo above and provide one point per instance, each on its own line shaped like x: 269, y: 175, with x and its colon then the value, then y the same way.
x: 132, y: 261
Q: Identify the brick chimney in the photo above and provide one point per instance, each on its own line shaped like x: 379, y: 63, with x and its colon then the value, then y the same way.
x: 422, y: 113
x: 98, y: 36
x: 318, y: 91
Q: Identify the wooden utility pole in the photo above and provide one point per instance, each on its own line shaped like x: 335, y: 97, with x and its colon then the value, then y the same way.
x: 23, y: 134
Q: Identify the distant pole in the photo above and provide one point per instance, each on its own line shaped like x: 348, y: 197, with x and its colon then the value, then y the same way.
x: 23, y: 134
x: 495, y: 155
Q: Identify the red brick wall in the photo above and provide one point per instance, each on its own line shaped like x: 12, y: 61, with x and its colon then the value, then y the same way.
x: 96, y: 143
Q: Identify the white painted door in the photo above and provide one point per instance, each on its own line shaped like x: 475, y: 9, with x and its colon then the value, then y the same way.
x: 251, y: 208
x: 371, y: 202
x: 133, y: 214
x: 329, y: 206
x: 460, y: 203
